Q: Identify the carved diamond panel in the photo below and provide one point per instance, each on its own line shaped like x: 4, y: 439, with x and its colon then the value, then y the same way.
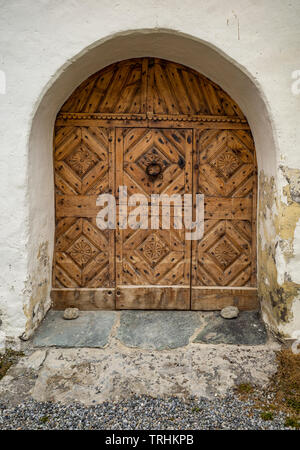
x: 153, y: 259
x: 153, y: 249
x: 81, y: 160
x: 82, y: 255
x: 82, y: 171
x: 226, y: 163
x: 164, y: 147
x: 223, y: 256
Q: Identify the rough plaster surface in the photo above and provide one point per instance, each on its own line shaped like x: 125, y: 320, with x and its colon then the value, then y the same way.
x: 250, y: 48
x: 90, y: 375
x: 279, y: 291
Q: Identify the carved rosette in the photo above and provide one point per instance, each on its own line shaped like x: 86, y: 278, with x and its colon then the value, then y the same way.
x: 224, y: 253
x: 227, y: 163
x: 82, y: 251
x: 81, y: 161
x: 153, y: 249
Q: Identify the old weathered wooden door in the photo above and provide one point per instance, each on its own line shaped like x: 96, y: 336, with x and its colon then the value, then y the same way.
x: 155, y: 127
x: 224, y: 260
x: 153, y: 265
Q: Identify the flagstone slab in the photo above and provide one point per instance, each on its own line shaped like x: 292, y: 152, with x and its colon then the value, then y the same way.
x: 246, y: 329
x: 90, y: 329
x: 158, y: 330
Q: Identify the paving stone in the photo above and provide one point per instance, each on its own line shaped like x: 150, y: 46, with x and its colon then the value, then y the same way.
x: 205, y: 367
x: 157, y: 330
x: 246, y: 329
x: 90, y: 329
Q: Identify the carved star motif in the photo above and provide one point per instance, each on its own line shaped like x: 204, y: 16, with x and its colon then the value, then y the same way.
x: 81, y: 161
x: 227, y: 163
x: 153, y: 249
x: 224, y: 253
x: 82, y: 251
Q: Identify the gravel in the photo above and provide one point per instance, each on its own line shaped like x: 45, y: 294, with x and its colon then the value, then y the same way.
x: 142, y: 413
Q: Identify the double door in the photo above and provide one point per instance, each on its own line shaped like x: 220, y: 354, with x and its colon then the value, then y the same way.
x: 147, y: 263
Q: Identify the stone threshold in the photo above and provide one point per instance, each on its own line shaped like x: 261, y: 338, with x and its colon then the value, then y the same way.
x: 152, y: 330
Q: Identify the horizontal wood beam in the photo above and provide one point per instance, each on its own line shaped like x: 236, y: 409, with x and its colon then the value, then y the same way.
x: 204, y: 299
x: 150, y: 121
x: 214, y: 208
x: 83, y: 299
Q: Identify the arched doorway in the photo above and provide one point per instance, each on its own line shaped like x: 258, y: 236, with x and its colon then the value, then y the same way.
x: 119, y: 121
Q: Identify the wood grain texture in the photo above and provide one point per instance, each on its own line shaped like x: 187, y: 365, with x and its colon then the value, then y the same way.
x: 84, y: 168
x: 115, y: 124
x: 217, y: 299
x: 83, y: 299
x: 156, y: 297
x: 150, y: 86
x: 153, y: 257
x: 225, y: 172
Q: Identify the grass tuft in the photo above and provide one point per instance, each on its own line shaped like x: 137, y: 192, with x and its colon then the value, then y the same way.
x: 283, y: 391
x: 292, y: 422
x: 245, y: 388
x: 195, y: 409
x: 44, y: 419
x: 9, y: 358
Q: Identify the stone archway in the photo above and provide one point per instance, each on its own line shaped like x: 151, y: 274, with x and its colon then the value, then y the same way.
x: 164, y: 44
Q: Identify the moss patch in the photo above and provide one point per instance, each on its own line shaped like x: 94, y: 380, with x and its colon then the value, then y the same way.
x: 267, y: 415
x: 292, y: 422
x: 9, y: 358
x: 285, y: 384
x: 44, y: 419
x: 244, y: 388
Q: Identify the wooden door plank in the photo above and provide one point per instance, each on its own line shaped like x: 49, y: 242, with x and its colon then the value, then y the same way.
x: 154, y: 257
x: 153, y: 297
x: 224, y: 169
x: 83, y: 299
x: 217, y: 299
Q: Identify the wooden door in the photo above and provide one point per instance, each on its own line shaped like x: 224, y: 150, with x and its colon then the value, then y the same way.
x: 224, y: 260
x: 84, y: 255
x: 117, y: 123
x: 153, y: 265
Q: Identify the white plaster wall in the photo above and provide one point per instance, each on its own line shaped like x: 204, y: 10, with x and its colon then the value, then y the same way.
x: 47, y: 47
